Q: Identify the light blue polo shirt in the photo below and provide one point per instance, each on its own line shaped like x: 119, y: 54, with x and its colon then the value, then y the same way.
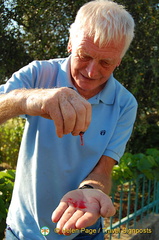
x: 48, y: 166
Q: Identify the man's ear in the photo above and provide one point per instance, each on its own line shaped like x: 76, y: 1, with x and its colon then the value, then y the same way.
x: 69, y: 46
x: 118, y: 63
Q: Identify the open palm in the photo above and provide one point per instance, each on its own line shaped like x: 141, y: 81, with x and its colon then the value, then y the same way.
x: 81, y: 208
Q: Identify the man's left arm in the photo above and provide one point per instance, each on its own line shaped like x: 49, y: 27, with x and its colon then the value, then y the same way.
x: 81, y: 208
x: 100, y: 177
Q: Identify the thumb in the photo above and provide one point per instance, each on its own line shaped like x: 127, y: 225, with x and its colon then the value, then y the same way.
x: 107, y: 208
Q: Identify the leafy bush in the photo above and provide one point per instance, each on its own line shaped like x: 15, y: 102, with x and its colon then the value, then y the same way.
x: 6, y: 187
x: 132, y: 165
x: 10, y: 138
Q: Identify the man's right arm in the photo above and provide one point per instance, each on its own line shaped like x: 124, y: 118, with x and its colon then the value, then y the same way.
x: 71, y: 112
x: 9, y: 106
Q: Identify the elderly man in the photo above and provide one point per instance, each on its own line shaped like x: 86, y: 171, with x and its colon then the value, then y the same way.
x: 78, y: 121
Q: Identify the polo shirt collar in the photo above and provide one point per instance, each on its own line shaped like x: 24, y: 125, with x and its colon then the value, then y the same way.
x: 107, y: 95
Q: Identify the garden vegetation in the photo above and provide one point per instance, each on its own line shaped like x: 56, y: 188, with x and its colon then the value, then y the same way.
x: 37, y: 29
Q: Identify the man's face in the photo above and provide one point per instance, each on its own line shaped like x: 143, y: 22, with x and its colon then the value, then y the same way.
x: 91, y: 66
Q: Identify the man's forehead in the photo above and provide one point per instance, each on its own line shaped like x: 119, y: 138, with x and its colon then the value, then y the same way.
x: 83, y: 39
x: 86, y: 45
x: 91, y: 49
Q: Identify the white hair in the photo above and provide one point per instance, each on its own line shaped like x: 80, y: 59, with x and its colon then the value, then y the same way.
x: 105, y: 21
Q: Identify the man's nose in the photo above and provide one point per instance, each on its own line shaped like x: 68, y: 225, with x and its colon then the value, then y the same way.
x: 92, y: 69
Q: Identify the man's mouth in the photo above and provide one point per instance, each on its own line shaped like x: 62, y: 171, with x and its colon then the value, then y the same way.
x: 88, y: 78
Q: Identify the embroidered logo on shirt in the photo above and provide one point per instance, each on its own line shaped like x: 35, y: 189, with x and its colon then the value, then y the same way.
x: 102, y: 132
x: 45, y: 231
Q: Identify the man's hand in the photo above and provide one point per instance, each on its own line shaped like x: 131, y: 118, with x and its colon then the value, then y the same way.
x: 71, y: 112
x: 81, y: 208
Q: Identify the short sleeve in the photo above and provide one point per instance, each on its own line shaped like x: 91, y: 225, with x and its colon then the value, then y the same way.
x: 122, y: 132
x: 34, y: 75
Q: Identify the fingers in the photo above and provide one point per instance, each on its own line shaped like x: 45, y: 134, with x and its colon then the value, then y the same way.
x: 65, y: 219
x: 71, y: 222
x: 75, y: 112
x: 83, y: 115
x: 66, y: 215
x: 68, y: 114
x: 86, y: 220
x: 58, y: 121
x: 75, y: 219
x: 69, y: 219
x: 57, y: 214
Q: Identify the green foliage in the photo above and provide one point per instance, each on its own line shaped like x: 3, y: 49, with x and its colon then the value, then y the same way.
x: 34, y: 30
x: 139, y: 73
x: 6, y: 188
x: 39, y: 30
x: 13, y: 54
x: 140, y: 65
x: 10, y: 138
x: 132, y: 165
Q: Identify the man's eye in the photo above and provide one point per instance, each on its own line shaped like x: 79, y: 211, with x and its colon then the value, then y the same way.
x: 84, y: 57
x: 105, y: 64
